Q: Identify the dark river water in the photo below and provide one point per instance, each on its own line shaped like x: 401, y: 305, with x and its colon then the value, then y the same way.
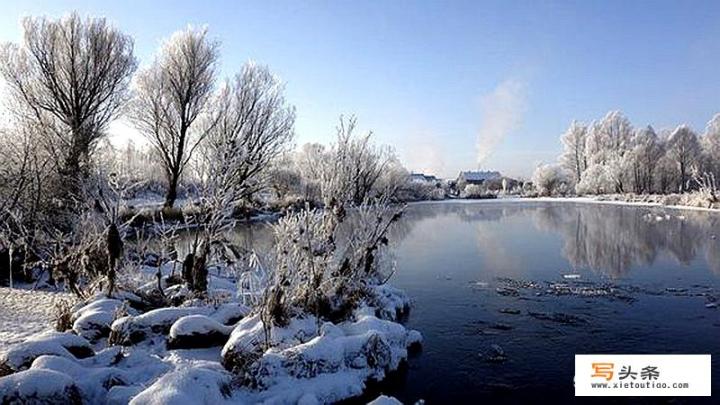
x: 495, y: 273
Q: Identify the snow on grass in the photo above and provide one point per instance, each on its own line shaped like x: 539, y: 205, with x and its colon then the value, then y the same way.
x: 25, y: 312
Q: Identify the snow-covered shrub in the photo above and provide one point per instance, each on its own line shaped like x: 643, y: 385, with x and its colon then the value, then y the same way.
x: 476, y: 191
x: 194, y: 331
x: 93, y: 320
x: 473, y: 191
x: 312, y: 275
x: 706, y: 194
x: 39, y: 387
x: 548, y: 179
x: 63, y: 315
x: 197, y: 385
x: 21, y: 355
x: 595, y: 180
x: 130, y: 330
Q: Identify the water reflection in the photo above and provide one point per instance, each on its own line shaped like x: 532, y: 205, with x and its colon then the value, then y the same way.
x: 610, y: 240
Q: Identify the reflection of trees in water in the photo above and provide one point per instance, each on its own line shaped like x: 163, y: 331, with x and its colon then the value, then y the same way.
x: 604, y: 238
x: 467, y: 212
x: 497, y: 255
x: 612, y: 239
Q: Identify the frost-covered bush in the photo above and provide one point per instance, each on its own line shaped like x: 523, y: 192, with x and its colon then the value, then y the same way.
x: 706, y: 193
x: 473, y: 191
x: 548, y: 179
x: 595, y: 180
x: 313, y: 274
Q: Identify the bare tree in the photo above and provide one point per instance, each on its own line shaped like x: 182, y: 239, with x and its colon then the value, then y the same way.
x: 171, y: 95
x: 70, y: 76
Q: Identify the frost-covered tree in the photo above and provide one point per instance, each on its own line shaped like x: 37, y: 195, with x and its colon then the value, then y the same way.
x: 309, y: 160
x: 596, y: 180
x: 249, y: 126
x: 251, y: 120
x: 607, y: 142
x: 711, y: 144
x: 352, y: 171
x: 683, y: 149
x: 170, y: 95
x: 574, y: 159
x: 549, y: 179
x: 642, y: 158
x: 664, y: 174
x: 68, y: 78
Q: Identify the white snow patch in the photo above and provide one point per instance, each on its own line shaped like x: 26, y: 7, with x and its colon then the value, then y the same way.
x: 26, y: 312
x: 187, y: 386
x: 37, y: 386
x: 385, y: 400
x: 21, y: 355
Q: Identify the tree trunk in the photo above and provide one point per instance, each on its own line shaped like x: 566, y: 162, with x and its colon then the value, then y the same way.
x: 199, y: 270
x: 187, y: 270
x: 682, y: 177
x: 171, y: 195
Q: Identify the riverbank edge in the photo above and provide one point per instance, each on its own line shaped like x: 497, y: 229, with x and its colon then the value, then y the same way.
x: 586, y: 200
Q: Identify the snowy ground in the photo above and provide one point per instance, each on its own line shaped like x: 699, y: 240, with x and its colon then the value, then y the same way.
x: 24, y: 313
x: 193, y: 353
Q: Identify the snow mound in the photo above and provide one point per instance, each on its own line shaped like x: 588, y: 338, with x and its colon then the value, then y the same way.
x: 247, y: 339
x: 21, y: 355
x: 38, y: 387
x: 389, y: 302
x: 196, y: 331
x: 130, y: 330
x: 304, y: 366
x: 230, y: 313
x: 187, y: 386
x: 111, y: 374
x: 93, y: 383
x: 385, y: 400
x: 94, y: 319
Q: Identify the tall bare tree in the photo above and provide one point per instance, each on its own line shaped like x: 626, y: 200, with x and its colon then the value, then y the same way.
x: 171, y: 95
x: 70, y: 76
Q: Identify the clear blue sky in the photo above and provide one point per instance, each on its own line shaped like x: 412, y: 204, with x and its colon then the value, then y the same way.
x: 430, y: 78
